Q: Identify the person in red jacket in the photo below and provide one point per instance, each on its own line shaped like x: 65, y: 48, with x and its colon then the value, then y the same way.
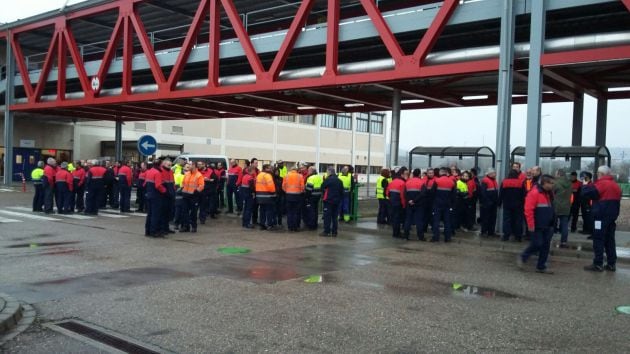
x: 95, y: 187
x: 444, y: 191
x: 396, y: 194
x: 140, y: 194
x: 49, y: 184
x: 540, y: 217
x: 234, y: 175
x: 77, y: 199
x: 125, y: 179
x: 63, y: 187
x: 416, y: 191
x: 155, y: 192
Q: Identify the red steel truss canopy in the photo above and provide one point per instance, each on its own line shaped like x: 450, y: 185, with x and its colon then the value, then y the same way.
x: 185, y: 90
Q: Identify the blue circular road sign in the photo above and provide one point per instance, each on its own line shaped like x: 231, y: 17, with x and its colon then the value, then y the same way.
x: 147, y: 145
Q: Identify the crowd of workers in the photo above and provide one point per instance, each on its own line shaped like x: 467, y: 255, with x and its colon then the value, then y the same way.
x: 534, y: 205
x: 544, y: 204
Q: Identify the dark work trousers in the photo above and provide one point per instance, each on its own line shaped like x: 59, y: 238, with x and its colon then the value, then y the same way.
x: 204, y: 205
x: 248, y: 205
x: 255, y: 208
x: 488, y: 219
x: 267, y: 212
x: 563, y: 220
x: 575, y: 213
x: 587, y: 217
x: 125, y: 196
x: 58, y: 198
x: 604, y: 241
x: 78, y: 199
x: 112, y: 197
x: 38, y: 198
x: 428, y: 215
x: 279, y: 202
x: 459, y: 213
x: 331, y: 213
x: 512, y: 223
x: 167, y: 211
x: 383, y: 211
x: 189, y: 211
x: 539, y: 242
x: 471, y: 214
x: 180, y: 211
x: 93, y: 196
x: 294, y: 211
x: 213, y: 203
x: 311, y: 207
x: 63, y: 197
x: 344, y: 206
x: 397, y: 211
x: 140, y: 191
x: 154, y: 209
x: 415, y: 215
x: 442, y: 214
x: 221, y: 194
x: 232, y: 194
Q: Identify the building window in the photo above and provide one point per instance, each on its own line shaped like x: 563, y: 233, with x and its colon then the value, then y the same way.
x: 324, y: 166
x: 307, y: 119
x: 360, y: 169
x: 374, y: 126
x: 344, y: 121
x: 327, y: 120
x: 286, y: 119
x: 175, y: 129
x: 375, y: 170
x: 140, y: 126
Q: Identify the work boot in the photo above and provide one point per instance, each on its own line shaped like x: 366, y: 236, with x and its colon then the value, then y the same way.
x: 594, y: 268
x: 193, y: 230
x: 544, y: 271
x: 323, y: 234
x: 610, y: 268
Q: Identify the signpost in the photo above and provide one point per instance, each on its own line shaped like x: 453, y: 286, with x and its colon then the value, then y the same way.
x: 147, y: 145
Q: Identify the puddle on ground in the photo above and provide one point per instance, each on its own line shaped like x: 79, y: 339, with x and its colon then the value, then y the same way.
x: 41, y: 244
x: 422, y: 287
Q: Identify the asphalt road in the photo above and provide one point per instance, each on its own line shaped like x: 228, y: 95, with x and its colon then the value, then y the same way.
x: 376, y: 294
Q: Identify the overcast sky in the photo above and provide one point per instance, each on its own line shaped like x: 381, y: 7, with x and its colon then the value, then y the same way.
x: 466, y: 126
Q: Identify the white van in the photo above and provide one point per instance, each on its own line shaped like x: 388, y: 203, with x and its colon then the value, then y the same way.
x: 208, y: 159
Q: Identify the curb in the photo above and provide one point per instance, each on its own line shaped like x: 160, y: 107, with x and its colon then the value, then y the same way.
x: 576, y: 251
x: 11, y: 314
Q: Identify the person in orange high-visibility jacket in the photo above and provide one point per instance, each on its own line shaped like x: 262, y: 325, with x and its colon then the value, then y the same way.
x: 293, y: 186
x: 266, y: 198
x: 192, y: 187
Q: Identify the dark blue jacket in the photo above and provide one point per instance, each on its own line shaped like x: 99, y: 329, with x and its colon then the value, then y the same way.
x: 332, y: 189
x: 512, y: 194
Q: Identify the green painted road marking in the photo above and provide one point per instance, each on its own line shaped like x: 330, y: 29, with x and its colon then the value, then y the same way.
x: 623, y: 310
x: 233, y: 250
x: 313, y: 279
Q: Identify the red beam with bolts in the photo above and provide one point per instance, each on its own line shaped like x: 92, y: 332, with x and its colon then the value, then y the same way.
x: 129, y: 22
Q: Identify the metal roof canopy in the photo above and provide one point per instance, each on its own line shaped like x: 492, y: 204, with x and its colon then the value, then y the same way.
x: 567, y: 152
x: 455, y: 151
x: 446, y: 87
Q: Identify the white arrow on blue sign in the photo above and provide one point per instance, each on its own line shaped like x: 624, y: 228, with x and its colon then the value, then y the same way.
x: 147, y: 145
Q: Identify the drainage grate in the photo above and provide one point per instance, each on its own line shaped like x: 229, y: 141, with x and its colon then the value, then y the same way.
x: 108, y: 339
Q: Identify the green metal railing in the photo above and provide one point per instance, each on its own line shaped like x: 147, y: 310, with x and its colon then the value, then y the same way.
x: 625, y: 189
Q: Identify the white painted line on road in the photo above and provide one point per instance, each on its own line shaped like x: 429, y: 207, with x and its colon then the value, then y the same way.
x: 28, y: 216
x: 6, y: 190
x: 69, y: 216
x: 117, y: 211
x: 110, y: 215
x: 5, y: 220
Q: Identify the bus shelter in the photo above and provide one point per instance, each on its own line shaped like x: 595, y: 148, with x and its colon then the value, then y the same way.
x: 465, y: 157
x: 571, y: 157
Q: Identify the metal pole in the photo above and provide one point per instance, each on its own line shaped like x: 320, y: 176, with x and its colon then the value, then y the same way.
x: 534, y: 83
x: 118, y: 141
x: 576, y: 134
x: 506, y: 75
x: 602, y: 117
x: 8, y: 114
x: 316, y: 117
x: 369, y: 152
x: 395, y: 130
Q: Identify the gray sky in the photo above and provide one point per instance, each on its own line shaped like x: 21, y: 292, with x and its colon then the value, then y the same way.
x: 452, y: 126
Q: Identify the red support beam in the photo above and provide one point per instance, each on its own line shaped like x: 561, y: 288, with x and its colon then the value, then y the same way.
x: 433, y: 33
x: 586, y: 56
x: 213, y: 44
x: 243, y: 37
x: 332, y: 38
x: 189, y: 41
x: 147, y: 48
x: 127, y: 70
x: 289, y: 42
x: 21, y: 63
x: 626, y: 3
x: 78, y: 63
x: 46, y: 68
x: 62, y: 65
x: 110, y: 51
x: 393, y: 47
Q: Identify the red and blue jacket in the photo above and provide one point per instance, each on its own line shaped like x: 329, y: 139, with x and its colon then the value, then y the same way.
x: 512, y: 193
x: 606, y: 196
x: 444, y: 193
x: 396, y: 192
x: 489, y: 192
x: 416, y: 190
x: 153, y: 183
x: 234, y: 176
x: 124, y: 172
x: 79, y: 177
x: 539, y: 212
x: 94, y: 176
